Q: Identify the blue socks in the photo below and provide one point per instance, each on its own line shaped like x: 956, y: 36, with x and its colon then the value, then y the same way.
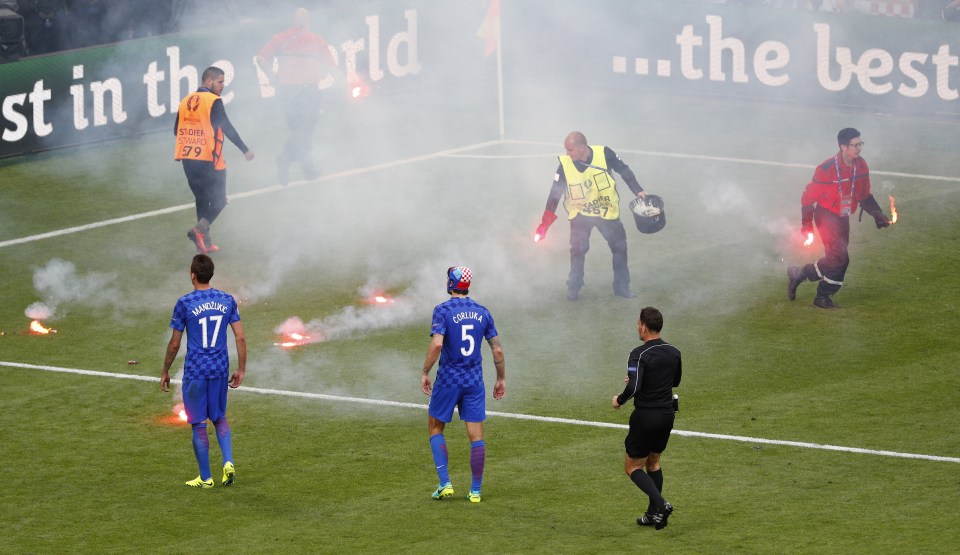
x: 201, y: 449
x: 478, y: 455
x: 223, y: 438
x: 438, y: 445
x: 201, y: 445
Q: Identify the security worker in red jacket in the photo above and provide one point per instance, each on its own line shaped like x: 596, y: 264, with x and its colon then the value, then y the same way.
x: 839, y: 185
x: 301, y: 56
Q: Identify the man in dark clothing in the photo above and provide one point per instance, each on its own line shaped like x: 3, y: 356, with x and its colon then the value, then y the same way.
x: 200, y: 128
x: 585, y: 181
x: 653, y: 370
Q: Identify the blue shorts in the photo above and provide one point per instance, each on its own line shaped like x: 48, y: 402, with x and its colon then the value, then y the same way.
x: 471, y: 403
x: 205, y: 399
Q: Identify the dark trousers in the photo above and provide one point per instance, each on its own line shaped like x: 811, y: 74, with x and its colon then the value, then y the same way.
x: 616, y: 236
x: 835, y: 233
x: 209, y: 188
x: 302, y: 108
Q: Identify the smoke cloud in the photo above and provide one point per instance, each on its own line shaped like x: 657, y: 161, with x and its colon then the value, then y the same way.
x: 59, y: 283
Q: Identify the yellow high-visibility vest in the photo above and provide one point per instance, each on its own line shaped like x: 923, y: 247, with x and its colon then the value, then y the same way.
x: 592, y: 192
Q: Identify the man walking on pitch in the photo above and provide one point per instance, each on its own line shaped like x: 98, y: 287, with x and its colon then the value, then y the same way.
x: 204, y: 315
x: 585, y: 181
x: 653, y: 370
x: 459, y: 324
x: 301, y: 56
x: 839, y: 184
x: 200, y: 127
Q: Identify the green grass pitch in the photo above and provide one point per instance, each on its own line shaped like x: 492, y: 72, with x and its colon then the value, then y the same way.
x: 96, y: 465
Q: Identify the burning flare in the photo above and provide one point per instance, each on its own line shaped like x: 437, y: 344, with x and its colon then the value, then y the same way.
x: 893, y: 211
x: 537, y: 237
x: 294, y: 340
x: 809, y: 240
x: 37, y: 328
x: 180, y: 412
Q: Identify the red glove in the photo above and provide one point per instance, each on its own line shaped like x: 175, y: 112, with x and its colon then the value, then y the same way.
x: 545, y: 222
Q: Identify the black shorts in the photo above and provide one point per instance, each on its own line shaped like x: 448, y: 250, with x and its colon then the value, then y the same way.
x: 649, y: 432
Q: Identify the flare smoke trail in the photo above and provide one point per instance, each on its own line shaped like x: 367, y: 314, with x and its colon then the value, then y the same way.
x: 59, y: 283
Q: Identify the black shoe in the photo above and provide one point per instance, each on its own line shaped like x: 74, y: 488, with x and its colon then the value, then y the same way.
x: 626, y: 294
x: 795, y: 277
x: 825, y: 303
x: 646, y: 520
x: 573, y: 294
x: 661, y: 516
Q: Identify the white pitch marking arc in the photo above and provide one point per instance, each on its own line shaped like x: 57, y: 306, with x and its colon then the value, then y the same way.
x: 452, y: 153
x: 533, y: 417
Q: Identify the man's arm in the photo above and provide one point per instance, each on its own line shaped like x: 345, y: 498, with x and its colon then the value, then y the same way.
x: 500, y: 388
x: 553, y: 200
x: 433, y: 353
x: 237, y: 378
x: 218, y: 118
x: 619, y: 166
x: 173, y: 347
x: 633, y: 382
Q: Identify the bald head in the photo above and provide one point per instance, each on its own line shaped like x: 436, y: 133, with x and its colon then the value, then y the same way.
x: 301, y: 18
x: 576, y: 146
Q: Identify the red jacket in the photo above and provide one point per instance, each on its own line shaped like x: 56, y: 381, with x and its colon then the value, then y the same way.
x: 838, y: 191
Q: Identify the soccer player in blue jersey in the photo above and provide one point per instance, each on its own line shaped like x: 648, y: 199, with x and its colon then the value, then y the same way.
x: 204, y: 314
x: 459, y: 324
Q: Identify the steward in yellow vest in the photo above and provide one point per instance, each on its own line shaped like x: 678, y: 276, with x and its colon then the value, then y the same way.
x: 585, y: 182
x: 591, y: 190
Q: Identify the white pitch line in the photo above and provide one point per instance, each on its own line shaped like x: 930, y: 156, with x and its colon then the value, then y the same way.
x: 726, y: 159
x: 517, y: 416
x: 451, y: 153
x: 245, y: 194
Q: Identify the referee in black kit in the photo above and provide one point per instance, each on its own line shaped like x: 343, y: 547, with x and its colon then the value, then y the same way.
x: 653, y: 370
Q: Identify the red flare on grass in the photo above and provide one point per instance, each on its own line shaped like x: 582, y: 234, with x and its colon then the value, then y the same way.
x: 893, y: 211
x: 37, y: 328
x: 180, y: 412
x: 294, y: 339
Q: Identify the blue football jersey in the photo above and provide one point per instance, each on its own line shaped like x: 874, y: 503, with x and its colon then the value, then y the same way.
x: 205, y: 314
x: 464, y: 324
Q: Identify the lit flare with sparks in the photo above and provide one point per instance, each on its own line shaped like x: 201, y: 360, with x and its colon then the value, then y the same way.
x: 294, y: 340
x: 893, y: 211
x: 809, y: 240
x: 537, y: 237
x: 37, y: 327
x: 180, y: 411
x: 380, y: 298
